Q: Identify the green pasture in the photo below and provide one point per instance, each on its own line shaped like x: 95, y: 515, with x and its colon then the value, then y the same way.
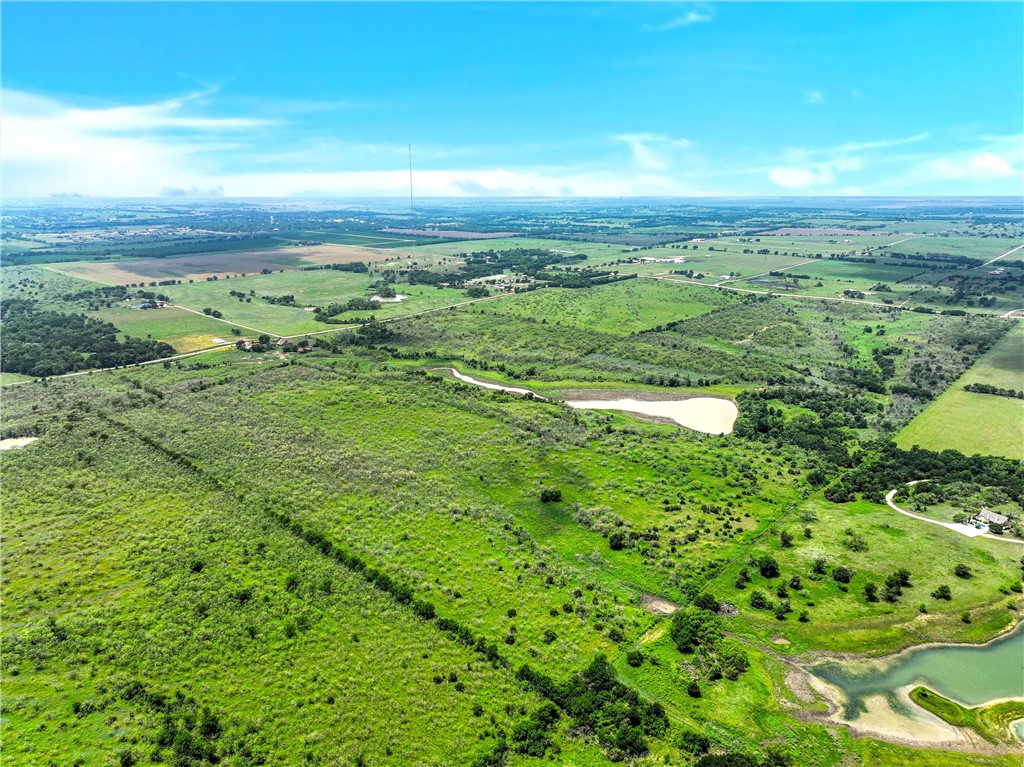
x: 972, y: 247
x: 596, y: 252
x: 310, y: 288
x: 977, y: 423
x: 620, y: 307
x: 183, y: 330
x: 893, y: 540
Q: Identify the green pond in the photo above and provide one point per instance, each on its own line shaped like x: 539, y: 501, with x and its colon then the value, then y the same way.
x: 969, y: 674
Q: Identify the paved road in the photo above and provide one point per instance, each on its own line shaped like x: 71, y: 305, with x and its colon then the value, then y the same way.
x: 969, y: 530
x: 762, y: 274
x: 999, y: 257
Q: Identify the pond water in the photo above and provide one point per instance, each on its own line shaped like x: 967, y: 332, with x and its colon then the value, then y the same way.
x: 969, y: 674
x: 1018, y: 729
x: 709, y: 415
x: 13, y: 442
x: 486, y: 385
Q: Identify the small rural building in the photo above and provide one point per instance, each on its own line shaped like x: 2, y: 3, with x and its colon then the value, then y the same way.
x: 281, y: 341
x: 990, y: 517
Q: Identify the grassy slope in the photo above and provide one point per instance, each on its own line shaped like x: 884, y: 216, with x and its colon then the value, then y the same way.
x: 977, y: 423
x: 893, y: 540
x: 107, y: 545
x: 439, y: 482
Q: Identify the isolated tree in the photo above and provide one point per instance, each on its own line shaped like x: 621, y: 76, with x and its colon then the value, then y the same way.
x: 962, y: 571
x: 768, y: 567
x: 842, y: 574
x: 942, y: 592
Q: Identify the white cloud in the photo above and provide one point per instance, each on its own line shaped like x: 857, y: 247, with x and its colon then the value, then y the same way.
x: 814, y: 174
x: 685, y: 20
x: 653, y: 151
x: 498, y: 182
x: 52, y: 147
x: 981, y: 166
x: 880, y: 144
x: 814, y: 96
x: 800, y: 178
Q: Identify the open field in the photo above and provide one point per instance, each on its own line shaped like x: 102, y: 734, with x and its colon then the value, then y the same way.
x: 335, y: 552
x: 310, y: 288
x: 620, y: 308
x: 146, y: 270
x: 183, y: 330
x: 367, y: 240
x: 978, y: 423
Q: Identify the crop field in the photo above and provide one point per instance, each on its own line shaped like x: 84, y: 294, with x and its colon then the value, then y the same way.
x: 977, y: 423
x: 334, y: 552
x: 206, y: 265
x: 377, y: 240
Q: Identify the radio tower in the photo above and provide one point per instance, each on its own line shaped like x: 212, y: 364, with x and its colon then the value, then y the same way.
x: 412, y: 211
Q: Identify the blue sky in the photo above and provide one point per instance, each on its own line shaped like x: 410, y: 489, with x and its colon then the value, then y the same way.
x: 609, y: 99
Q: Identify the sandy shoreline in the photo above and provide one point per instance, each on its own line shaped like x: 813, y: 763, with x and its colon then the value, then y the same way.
x: 919, y: 728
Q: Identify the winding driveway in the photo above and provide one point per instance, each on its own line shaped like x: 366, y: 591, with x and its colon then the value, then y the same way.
x: 969, y: 530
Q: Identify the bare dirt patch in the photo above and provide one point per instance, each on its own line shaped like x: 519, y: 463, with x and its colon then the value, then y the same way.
x: 657, y: 605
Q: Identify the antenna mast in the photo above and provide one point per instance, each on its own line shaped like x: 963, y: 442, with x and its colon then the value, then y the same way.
x: 412, y: 211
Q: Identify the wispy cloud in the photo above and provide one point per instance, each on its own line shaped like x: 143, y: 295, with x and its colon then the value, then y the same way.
x: 813, y: 96
x: 684, y: 20
x: 654, y: 151
x: 854, y: 146
x: 980, y: 166
x: 815, y: 174
x: 51, y: 146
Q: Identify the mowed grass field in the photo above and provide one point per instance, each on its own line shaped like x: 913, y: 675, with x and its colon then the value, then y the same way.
x: 977, y: 423
x: 183, y: 330
x: 310, y: 288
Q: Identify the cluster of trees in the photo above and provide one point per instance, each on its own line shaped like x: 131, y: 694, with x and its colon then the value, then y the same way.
x: 355, y: 266
x: 892, y: 588
x: 983, y: 388
x: 188, y: 731
x: 892, y: 467
x: 359, y: 304
x: 288, y: 300
x: 598, y: 702
x: 828, y: 436
x: 45, y: 343
x: 698, y: 629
